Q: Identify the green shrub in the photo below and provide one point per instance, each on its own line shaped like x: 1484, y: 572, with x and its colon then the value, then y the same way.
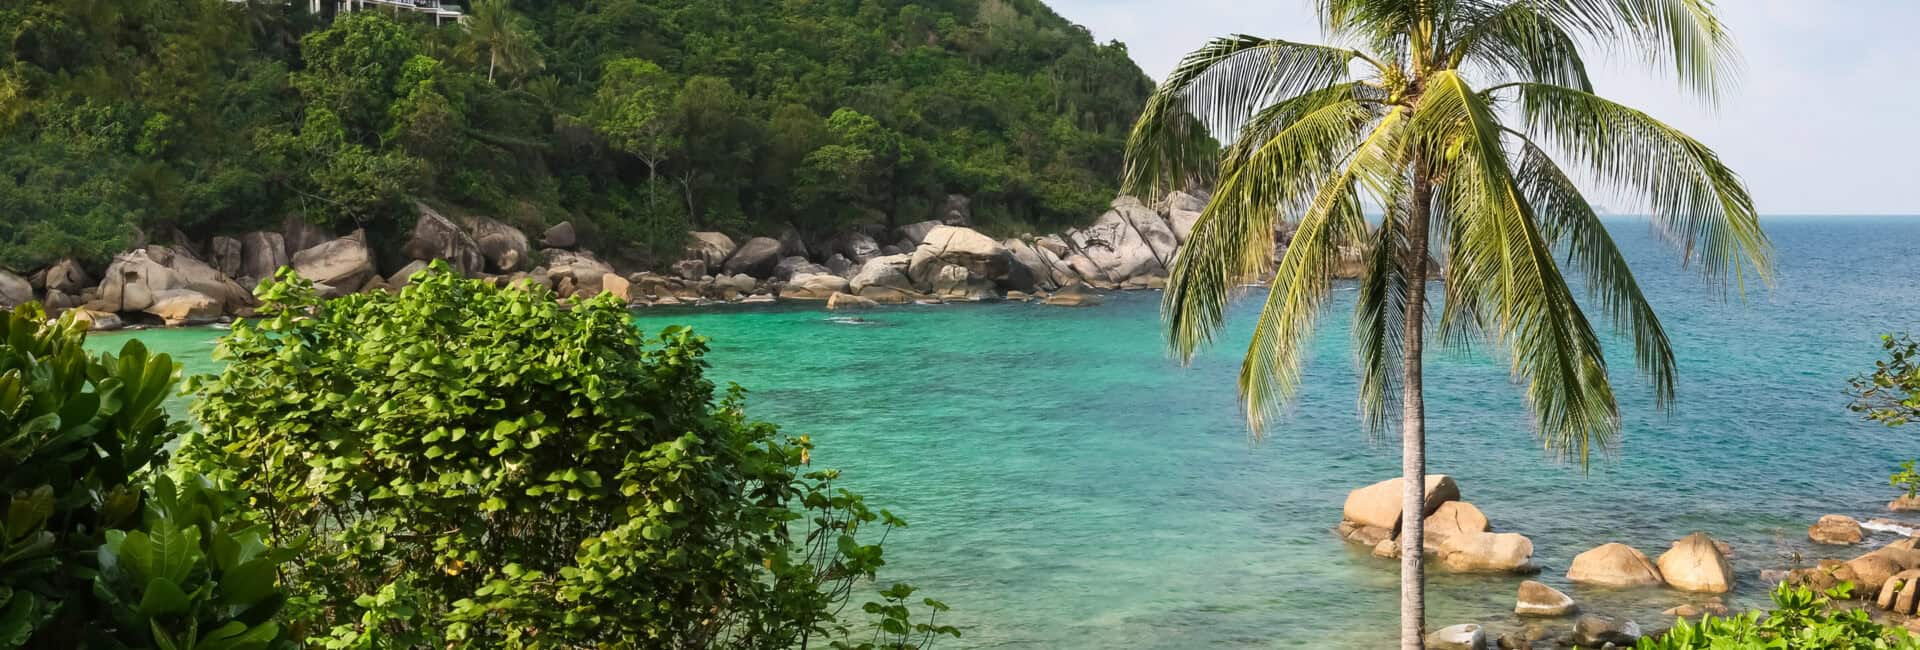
x: 1801, y: 620
x: 486, y: 467
x: 85, y: 561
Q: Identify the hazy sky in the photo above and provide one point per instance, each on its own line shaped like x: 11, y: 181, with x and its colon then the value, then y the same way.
x: 1824, y: 119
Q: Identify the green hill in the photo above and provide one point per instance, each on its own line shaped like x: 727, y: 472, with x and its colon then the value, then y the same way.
x: 636, y: 119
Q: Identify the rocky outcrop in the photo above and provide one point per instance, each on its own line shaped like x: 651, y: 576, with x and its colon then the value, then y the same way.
x: 710, y: 247
x: 1116, y: 245
x: 1837, y: 530
x: 181, y: 307
x: 955, y: 283
x: 1898, y: 594
x: 1183, y: 211
x: 1614, y: 565
x: 343, y: 264
x: 132, y: 281
x: 436, y: 238
x: 755, y: 258
x: 944, y: 246
x: 889, y: 271
x: 262, y: 254
x: 856, y: 246
x: 504, y: 247
x: 225, y: 255
x: 1696, y: 564
x: 67, y: 276
x: 1538, y: 599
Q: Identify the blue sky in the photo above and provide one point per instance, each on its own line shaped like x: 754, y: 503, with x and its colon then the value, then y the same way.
x: 1824, y: 119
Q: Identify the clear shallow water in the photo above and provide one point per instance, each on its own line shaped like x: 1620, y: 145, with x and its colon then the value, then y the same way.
x: 1071, y: 487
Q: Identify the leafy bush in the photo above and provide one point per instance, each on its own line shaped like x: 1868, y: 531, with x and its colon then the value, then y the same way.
x: 85, y: 561
x: 1891, y: 394
x: 486, y: 467
x: 1801, y: 620
x: 1907, y: 480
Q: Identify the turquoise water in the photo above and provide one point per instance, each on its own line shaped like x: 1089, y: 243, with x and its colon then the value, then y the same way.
x: 1069, y: 486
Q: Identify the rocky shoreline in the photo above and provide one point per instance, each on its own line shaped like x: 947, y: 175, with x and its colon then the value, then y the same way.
x: 184, y: 282
x: 1696, y: 570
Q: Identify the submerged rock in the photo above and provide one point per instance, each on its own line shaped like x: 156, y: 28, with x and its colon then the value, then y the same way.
x: 1466, y: 636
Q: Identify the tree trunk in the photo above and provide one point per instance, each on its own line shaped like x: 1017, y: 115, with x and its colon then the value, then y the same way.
x: 493, y: 59
x: 1413, y: 422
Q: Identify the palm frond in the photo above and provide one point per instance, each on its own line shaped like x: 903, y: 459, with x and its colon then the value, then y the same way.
x: 1518, y: 41
x: 1379, y: 321
x: 1216, y: 90
x: 1691, y: 195
x: 1685, y: 34
x: 1500, y: 258
x: 1567, y: 219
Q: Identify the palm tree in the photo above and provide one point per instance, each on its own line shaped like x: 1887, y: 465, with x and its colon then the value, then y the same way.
x: 1453, y: 118
x: 504, y: 34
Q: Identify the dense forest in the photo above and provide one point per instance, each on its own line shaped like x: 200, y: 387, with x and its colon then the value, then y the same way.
x: 635, y: 119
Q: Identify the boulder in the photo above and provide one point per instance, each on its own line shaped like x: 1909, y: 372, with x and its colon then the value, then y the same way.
x: 1379, y: 504
x: 690, y: 269
x: 1695, y: 610
x: 1076, y: 295
x: 504, y: 247
x: 1484, y: 552
x: 300, y: 234
x: 915, y: 234
x: 1872, y: 570
x: 1538, y: 599
x: 262, y: 254
x: 1118, y: 248
x: 97, y: 321
x: 856, y: 246
x: 1367, y: 536
x: 580, y: 268
x: 1898, y: 593
x: 649, y: 283
x: 756, y: 258
x: 847, y: 301
x: 958, y: 210
x: 1455, y: 518
x: 888, y: 271
x: 1178, y: 201
x: 226, y: 256
x: 404, y: 276
x: 14, y: 290
x: 342, y: 264
x: 180, y: 307
x: 190, y: 273
x: 67, y: 276
x: 841, y: 266
x: 890, y: 295
x: 616, y: 285
x: 711, y: 247
x: 944, y: 246
x: 561, y: 235
x: 1062, y: 272
x: 1696, y: 564
x: 58, y: 301
x: 1593, y: 631
x: 1614, y: 565
x: 1838, y: 530
x: 436, y: 238
x: 1904, y: 504
x: 132, y: 281
x: 1030, y: 266
x: 814, y: 286
x: 1466, y: 636
x: 957, y: 283
x: 792, y: 245
x: 1152, y: 229
x: 733, y: 286
x: 789, y: 267
x: 1182, y: 223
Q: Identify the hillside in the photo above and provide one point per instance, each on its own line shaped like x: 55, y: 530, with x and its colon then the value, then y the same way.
x: 637, y: 120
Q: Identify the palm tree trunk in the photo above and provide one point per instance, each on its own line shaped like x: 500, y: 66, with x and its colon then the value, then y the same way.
x: 493, y: 59
x: 1413, y: 422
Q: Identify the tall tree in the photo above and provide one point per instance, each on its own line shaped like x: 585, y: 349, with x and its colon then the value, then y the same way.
x: 1455, y: 118
x: 510, y: 42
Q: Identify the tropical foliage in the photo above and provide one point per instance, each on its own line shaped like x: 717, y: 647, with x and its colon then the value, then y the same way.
x: 1466, y: 122
x: 1801, y: 620
x: 96, y: 549
x: 485, y: 467
x: 635, y: 119
x: 1891, y: 394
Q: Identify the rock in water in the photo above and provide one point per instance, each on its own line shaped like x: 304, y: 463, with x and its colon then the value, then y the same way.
x: 1904, y: 504
x: 1538, y: 599
x: 1483, y: 552
x: 1379, y: 504
x: 1075, y: 295
x: 14, y: 290
x: 1466, y: 636
x: 1838, y: 530
x: 712, y: 247
x: 1593, y: 631
x: 756, y: 258
x: 1614, y: 565
x: 980, y: 255
x: 181, y: 307
x: 1695, y: 564
x: 846, y: 301
x: 1454, y: 518
x: 436, y: 238
x: 342, y: 264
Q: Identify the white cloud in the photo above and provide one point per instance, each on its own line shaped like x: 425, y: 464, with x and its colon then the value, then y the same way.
x: 1821, y: 122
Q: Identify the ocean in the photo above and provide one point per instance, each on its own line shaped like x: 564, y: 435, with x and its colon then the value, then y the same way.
x: 1070, y: 485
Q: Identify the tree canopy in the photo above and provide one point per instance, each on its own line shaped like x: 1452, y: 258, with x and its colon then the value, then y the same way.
x: 636, y: 119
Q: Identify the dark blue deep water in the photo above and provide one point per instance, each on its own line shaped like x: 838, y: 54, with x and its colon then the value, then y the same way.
x: 1070, y: 486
